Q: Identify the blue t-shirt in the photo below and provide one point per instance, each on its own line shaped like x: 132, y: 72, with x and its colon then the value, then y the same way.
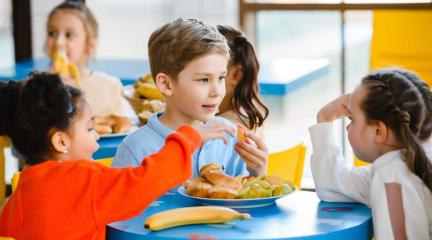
x: 150, y: 139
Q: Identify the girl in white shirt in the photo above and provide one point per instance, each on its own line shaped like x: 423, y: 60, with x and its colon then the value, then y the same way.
x: 389, y: 113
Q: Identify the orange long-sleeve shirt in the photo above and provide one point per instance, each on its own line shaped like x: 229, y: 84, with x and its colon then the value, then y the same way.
x: 76, y: 199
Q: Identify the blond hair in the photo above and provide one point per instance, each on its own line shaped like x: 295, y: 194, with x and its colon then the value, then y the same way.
x: 175, y: 44
x: 83, y: 13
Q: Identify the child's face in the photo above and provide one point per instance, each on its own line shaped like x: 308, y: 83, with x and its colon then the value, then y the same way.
x: 67, y: 32
x: 360, y: 133
x: 82, y: 135
x: 199, y: 88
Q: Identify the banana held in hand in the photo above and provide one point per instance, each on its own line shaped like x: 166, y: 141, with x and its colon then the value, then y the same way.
x: 62, y: 66
x: 192, y: 215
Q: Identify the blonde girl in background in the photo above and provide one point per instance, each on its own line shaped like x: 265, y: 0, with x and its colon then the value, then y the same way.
x: 242, y: 103
x: 72, y: 28
x: 388, y: 113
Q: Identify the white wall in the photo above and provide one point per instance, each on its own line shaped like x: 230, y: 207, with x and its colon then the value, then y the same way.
x: 126, y: 25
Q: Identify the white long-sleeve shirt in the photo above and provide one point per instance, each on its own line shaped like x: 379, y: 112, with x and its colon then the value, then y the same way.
x: 336, y: 180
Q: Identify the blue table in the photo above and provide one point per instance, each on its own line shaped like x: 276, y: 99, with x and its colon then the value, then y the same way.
x: 107, y: 147
x: 277, y: 77
x: 300, y: 215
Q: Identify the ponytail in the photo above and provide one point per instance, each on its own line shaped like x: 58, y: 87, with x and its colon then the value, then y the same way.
x: 416, y: 158
x: 246, y: 94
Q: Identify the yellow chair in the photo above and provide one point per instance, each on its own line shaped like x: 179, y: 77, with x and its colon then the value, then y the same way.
x: 4, y: 142
x: 6, y: 238
x: 105, y: 161
x: 288, y: 164
x: 360, y: 163
x: 403, y: 38
x: 15, y: 178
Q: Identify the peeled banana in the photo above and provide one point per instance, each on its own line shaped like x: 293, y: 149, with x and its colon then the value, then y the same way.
x: 62, y: 66
x: 192, y: 215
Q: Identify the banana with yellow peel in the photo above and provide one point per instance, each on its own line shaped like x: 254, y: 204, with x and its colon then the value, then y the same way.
x: 192, y: 215
x: 149, y: 91
x: 62, y: 66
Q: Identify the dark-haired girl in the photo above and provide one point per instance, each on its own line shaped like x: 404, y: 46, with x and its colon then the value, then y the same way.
x: 62, y: 195
x: 390, y: 127
x: 242, y: 103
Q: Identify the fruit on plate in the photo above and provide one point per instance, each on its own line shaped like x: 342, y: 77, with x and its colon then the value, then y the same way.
x: 192, y: 215
x: 149, y: 90
x: 146, y: 87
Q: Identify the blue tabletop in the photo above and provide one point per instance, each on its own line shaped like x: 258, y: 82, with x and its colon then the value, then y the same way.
x: 300, y: 215
x: 277, y: 77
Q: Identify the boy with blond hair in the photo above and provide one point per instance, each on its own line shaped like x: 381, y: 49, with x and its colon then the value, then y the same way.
x: 188, y: 60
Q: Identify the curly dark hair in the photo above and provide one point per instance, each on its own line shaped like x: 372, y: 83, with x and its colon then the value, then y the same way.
x: 31, y: 109
x: 246, y: 95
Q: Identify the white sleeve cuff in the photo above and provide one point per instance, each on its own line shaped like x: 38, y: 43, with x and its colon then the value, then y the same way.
x: 322, y: 136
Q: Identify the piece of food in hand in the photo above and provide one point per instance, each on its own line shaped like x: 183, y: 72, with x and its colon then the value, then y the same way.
x: 241, y: 136
x: 192, y: 215
x: 222, y: 192
x: 62, y: 65
x: 209, y: 167
x: 218, y: 178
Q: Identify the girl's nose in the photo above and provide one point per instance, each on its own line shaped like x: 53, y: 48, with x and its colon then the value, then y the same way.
x: 217, y: 89
x: 60, y: 40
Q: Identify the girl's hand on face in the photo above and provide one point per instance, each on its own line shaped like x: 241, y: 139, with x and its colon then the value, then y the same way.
x: 336, y: 109
x: 254, y: 153
x: 213, y: 129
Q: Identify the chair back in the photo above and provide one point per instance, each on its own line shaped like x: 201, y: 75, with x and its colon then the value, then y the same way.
x: 403, y: 38
x: 360, y: 163
x: 4, y: 142
x: 105, y: 161
x: 288, y: 164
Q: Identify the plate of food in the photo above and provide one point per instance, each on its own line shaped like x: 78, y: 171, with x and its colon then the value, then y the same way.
x: 112, y: 126
x: 213, y: 187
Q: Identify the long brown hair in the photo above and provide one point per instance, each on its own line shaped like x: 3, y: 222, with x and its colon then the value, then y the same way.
x: 246, y: 95
x: 393, y: 99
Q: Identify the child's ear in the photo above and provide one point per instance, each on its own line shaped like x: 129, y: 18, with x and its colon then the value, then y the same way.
x: 381, y: 132
x: 164, y: 84
x: 60, y: 142
x: 91, y: 47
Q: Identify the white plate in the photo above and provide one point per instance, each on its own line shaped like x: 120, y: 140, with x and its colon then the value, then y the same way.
x: 234, y: 203
x: 113, y: 135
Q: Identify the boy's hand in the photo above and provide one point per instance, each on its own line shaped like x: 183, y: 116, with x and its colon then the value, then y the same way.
x: 336, y: 109
x: 213, y: 129
x: 254, y: 152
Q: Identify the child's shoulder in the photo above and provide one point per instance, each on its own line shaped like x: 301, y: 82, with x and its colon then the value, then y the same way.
x: 225, y: 121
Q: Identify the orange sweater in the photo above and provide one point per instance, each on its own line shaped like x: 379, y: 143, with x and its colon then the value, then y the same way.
x: 76, y: 199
